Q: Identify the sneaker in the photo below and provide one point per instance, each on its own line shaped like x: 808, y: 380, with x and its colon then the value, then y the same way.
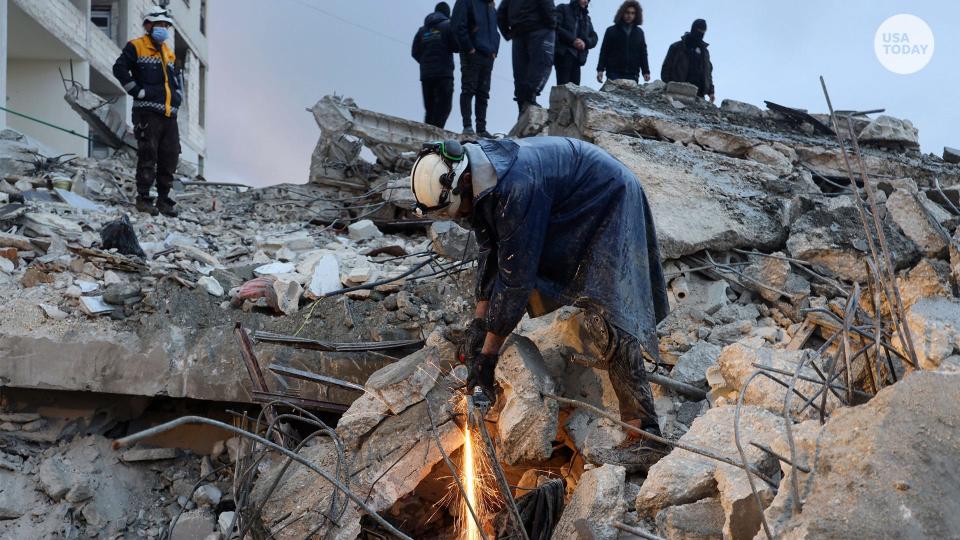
x: 469, y: 132
x: 146, y: 206
x: 166, y: 207
x: 636, y: 456
x: 484, y: 134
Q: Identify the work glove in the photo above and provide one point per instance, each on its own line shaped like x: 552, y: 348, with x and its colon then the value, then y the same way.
x: 473, y: 343
x: 481, y: 377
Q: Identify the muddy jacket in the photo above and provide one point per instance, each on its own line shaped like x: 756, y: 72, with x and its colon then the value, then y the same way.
x: 573, y: 22
x: 474, y: 25
x: 564, y: 218
x: 433, y: 47
x: 676, y: 66
x: 518, y: 17
x: 142, y: 65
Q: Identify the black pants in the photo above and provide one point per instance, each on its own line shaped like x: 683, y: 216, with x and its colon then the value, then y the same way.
x: 622, y: 356
x: 437, y: 100
x: 568, y: 69
x: 475, y: 72
x: 532, y: 60
x: 158, y: 151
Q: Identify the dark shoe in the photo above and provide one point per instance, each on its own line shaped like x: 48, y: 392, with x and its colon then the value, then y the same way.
x: 484, y: 134
x: 166, y: 207
x: 636, y: 456
x: 146, y: 206
x: 469, y: 132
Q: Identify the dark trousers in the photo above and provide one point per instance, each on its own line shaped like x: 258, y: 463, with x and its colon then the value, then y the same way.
x: 437, y: 100
x: 568, y: 69
x: 618, y: 75
x: 475, y: 72
x: 158, y: 151
x: 532, y: 60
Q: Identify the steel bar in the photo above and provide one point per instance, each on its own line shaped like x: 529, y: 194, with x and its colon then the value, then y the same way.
x: 635, y: 531
x: 313, y: 377
x: 253, y: 370
x: 788, y: 427
x: 767, y: 449
x: 147, y: 433
x: 306, y: 403
x: 743, y: 454
x: 681, y: 387
x: 953, y: 208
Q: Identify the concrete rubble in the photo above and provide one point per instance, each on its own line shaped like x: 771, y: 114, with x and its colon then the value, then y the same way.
x: 355, y: 307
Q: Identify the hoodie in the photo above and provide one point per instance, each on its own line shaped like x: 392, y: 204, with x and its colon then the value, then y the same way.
x: 433, y: 47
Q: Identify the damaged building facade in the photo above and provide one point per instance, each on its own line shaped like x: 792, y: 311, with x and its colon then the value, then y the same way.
x: 303, y: 342
x: 40, y: 40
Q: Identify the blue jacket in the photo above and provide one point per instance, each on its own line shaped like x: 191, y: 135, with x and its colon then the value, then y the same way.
x: 475, y: 26
x: 565, y: 218
x: 144, y: 66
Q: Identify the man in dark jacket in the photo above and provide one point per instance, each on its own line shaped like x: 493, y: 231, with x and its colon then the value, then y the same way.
x: 147, y: 71
x: 531, y: 24
x: 475, y: 29
x: 559, y: 222
x: 575, y: 37
x: 688, y: 60
x: 433, y: 49
x: 623, y: 54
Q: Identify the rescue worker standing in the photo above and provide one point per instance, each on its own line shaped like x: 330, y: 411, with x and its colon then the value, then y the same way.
x: 575, y: 38
x: 531, y: 24
x: 559, y: 222
x: 146, y: 69
x: 475, y: 28
x: 623, y: 54
x: 688, y: 60
x: 433, y: 49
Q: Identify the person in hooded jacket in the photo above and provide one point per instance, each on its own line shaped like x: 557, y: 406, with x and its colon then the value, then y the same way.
x: 532, y: 25
x: 475, y: 28
x: 688, y: 60
x: 558, y: 222
x: 433, y: 49
x: 575, y: 38
x: 623, y: 54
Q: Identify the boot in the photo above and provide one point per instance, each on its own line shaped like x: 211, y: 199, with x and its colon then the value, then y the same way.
x: 484, y: 134
x: 635, y: 455
x: 469, y: 132
x: 145, y: 205
x: 165, y: 206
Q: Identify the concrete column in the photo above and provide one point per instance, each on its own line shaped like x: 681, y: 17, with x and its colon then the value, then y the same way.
x: 3, y: 61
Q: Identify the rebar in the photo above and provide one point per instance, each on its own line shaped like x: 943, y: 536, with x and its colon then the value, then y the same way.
x: 743, y: 454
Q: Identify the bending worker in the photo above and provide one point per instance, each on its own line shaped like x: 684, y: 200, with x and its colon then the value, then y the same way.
x: 559, y: 222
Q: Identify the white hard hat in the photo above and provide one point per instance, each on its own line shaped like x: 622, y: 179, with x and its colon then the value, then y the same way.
x: 158, y: 14
x: 435, y: 178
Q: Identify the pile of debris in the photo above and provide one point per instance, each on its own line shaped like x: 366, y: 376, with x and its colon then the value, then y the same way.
x: 805, y: 371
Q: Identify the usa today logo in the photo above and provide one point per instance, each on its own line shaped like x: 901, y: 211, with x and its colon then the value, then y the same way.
x: 904, y: 44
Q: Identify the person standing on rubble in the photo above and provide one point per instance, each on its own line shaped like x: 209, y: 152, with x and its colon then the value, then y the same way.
x: 475, y: 29
x: 688, y: 60
x: 532, y: 25
x: 559, y: 222
x: 575, y: 38
x: 623, y: 54
x: 433, y: 49
x: 147, y: 71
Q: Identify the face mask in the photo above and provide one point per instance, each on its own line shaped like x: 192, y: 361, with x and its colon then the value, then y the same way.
x: 160, y: 34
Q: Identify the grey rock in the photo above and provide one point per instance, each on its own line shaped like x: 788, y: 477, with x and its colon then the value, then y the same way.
x: 528, y: 421
x: 597, y: 499
x: 224, y: 521
x: 148, y: 454
x: 701, y: 520
x: 692, y: 365
x: 887, y: 130
x: 935, y: 328
x: 684, y: 89
x: 121, y: 294
x: 207, y: 495
x: 951, y: 155
x: 452, y: 241
x: 54, y: 478
x: 741, y: 108
x: 193, y: 525
x: 364, y: 230
x: 909, y: 211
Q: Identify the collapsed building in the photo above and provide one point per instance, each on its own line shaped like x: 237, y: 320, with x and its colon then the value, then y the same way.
x: 806, y: 374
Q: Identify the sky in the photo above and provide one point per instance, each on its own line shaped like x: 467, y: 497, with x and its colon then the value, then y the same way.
x: 271, y: 60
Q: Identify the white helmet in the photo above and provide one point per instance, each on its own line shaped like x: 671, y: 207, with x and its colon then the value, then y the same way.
x: 158, y: 14
x: 435, y: 178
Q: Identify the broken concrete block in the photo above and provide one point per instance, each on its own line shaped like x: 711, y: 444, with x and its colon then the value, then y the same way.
x: 407, y: 381
x: 951, y: 155
x: 929, y: 278
x: 193, y: 525
x: 836, y: 240
x: 46, y: 224
x: 891, y: 489
x: 887, y: 130
x: 775, y: 273
x: 682, y: 89
x: 935, y: 328
x: 324, y: 277
x: 742, y: 515
x: 528, y: 421
x: 452, y: 241
x: 211, y: 285
x: 738, y: 107
x: 7, y: 266
x: 148, y: 454
x: 54, y: 478
x: 274, y: 268
x: 692, y: 365
x: 359, y: 275
x: 701, y: 520
x: 683, y: 477
x: 122, y: 294
x: 79, y: 492
x: 288, y: 293
x: 598, y: 499
x: 207, y: 495
x: 53, y: 312
x: 223, y: 523
x: 906, y: 211
x: 767, y: 155
x: 364, y: 230
x: 95, y: 306
x: 736, y: 363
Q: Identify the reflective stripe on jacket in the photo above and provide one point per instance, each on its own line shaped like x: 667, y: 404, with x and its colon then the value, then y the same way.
x: 143, y: 66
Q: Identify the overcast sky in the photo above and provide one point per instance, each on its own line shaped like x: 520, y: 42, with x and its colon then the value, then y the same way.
x: 270, y: 60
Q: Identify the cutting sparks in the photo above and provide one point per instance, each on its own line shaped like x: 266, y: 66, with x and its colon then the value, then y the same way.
x: 469, y: 468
